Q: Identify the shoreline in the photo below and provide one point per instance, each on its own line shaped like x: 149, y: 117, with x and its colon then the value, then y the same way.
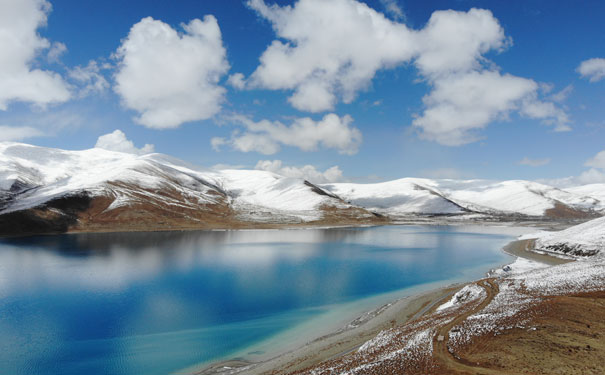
x: 341, y: 342
x: 438, y: 220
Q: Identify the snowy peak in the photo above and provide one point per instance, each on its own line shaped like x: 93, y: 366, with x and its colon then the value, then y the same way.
x: 98, y: 189
x: 516, y: 197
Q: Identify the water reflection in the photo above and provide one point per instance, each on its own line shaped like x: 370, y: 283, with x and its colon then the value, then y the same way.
x: 113, y: 303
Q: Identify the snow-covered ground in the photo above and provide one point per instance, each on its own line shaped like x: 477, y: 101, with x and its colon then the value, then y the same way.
x: 417, y: 195
x: 586, y: 239
x: 406, y: 195
x: 596, y: 191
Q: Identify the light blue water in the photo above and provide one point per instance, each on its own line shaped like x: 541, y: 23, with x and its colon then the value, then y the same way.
x: 155, y: 303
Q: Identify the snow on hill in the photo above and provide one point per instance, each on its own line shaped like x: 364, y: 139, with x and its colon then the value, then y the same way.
x: 585, y: 239
x: 596, y: 191
x: 255, y: 189
x: 403, y: 196
x: 99, y: 188
x: 415, y: 195
x: 33, y: 175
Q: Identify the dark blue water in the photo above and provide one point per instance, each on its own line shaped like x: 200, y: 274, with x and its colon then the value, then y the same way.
x: 155, y: 303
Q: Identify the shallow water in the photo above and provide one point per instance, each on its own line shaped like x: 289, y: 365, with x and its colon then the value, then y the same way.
x: 156, y: 303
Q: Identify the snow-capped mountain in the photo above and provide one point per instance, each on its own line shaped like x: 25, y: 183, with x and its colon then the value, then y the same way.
x: 52, y: 190
x: 416, y: 195
x: 592, y: 190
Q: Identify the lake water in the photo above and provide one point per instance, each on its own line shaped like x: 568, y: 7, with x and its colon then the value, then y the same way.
x: 158, y: 303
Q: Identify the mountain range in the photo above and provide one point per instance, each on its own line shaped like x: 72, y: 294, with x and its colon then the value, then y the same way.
x: 44, y: 190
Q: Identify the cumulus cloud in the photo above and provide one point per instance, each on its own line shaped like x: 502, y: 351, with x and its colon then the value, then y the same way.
x: 454, y: 42
x: 562, y: 95
x: 332, y: 50
x: 594, y: 175
x: 307, y: 172
x: 18, y: 133
x: 591, y: 176
x: 534, y: 162
x: 171, y: 77
x: 393, y: 9
x: 468, y: 93
x: 237, y: 81
x: 266, y: 137
x: 20, y: 44
x: 464, y: 102
x: 598, y: 161
x: 89, y: 79
x: 57, y: 49
x: 117, y: 141
x: 329, y: 50
x: 593, y: 69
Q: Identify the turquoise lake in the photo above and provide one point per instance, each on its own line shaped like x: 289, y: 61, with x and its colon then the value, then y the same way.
x: 160, y: 303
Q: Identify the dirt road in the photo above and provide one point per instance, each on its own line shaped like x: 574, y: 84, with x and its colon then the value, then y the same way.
x: 442, y: 354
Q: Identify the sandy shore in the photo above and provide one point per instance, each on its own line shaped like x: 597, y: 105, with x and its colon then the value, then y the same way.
x: 363, y: 329
x: 522, y: 249
x: 343, y: 341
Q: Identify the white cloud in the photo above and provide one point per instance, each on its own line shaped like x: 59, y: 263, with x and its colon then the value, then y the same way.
x: 217, y: 143
x: 454, y: 42
x: 307, y: 172
x: 237, y: 81
x: 333, y: 50
x: 329, y: 50
x: 466, y: 95
x: 171, y: 77
x: 393, y: 9
x: 89, y: 78
x: 594, y: 175
x: 448, y: 173
x: 20, y: 44
x: 462, y: 103
x: 591, y: 176
x: 117, y: 141
x: 57, y: 49
x: 266, y: 137
x: 598, y: 161
x: 593, y: 69
x: 18, y: 133
x: 534, y: 162
x: 562, y: 95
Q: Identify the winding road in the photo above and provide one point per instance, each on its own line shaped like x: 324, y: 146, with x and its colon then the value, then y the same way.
x: 441, y: 351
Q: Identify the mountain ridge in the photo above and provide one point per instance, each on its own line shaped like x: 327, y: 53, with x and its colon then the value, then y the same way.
x: 45, y: 190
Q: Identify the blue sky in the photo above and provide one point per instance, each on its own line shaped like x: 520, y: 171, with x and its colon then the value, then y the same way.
x: 382, y: 89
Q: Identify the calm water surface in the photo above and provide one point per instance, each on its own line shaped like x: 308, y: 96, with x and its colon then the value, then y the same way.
x: 157, y: 303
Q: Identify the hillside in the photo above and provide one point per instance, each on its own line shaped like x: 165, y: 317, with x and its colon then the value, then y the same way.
x: 582, y: 240
x: 45, y: 190
x: 48, y: 190
x: 506, y: 198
